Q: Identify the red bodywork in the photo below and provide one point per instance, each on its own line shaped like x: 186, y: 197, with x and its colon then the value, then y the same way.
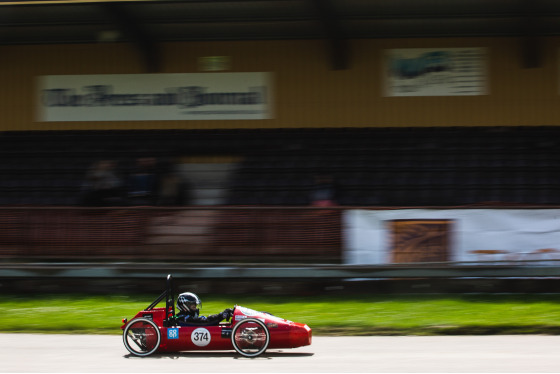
x: 283, y: 333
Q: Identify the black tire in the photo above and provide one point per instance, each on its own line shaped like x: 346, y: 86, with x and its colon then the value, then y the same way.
x: 141, y: 337
x: 250, y: 337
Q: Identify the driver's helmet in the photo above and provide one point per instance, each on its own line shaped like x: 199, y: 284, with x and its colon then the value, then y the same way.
x: 188, y: 302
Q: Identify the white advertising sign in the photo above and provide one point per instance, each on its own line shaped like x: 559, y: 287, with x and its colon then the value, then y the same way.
x: 145, y: 97
x: 515, y: 231
x: 435, y: 72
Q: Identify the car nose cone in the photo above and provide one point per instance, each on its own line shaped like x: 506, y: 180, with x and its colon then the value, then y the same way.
x: 300, y: 335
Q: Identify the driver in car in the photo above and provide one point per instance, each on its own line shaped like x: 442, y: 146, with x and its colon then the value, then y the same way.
x: 188, y: 304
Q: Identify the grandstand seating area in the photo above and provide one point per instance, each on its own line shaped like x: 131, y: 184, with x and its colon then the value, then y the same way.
x: 447, y: 166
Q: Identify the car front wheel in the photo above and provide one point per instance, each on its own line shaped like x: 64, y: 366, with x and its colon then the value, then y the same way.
x: 250, y: 337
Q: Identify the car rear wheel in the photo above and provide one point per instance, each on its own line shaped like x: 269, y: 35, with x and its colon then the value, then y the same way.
x: 250, y: 337
x: 141, y: 337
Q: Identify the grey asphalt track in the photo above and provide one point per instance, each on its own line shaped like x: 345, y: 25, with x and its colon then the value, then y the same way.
x: 26, y: 353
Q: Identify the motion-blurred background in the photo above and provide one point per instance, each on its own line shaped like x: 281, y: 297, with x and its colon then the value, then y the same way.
x: 345, y: 139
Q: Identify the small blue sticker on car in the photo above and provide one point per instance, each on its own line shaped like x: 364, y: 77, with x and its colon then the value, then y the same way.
x: 173, y: 333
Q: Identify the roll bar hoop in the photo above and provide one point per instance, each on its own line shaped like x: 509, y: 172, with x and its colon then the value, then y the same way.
x: 169, y: 301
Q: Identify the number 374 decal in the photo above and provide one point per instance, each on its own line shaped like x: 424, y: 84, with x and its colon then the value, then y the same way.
x: 201, y: 337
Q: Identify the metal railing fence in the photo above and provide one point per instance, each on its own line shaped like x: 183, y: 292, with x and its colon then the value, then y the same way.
x: 191, y: 234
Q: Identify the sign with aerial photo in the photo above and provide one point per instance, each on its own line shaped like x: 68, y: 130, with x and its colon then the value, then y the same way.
x: 435, y: 72
x: 144, y: 97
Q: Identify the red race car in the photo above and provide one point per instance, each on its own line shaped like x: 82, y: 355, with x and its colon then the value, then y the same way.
x: 249, y: 332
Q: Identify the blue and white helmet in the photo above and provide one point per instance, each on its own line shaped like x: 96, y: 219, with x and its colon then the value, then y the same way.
x: 188, y: 302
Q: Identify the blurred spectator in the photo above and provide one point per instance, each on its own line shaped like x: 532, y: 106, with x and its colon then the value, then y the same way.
x: 102, y: 185
x: 173, y: 190
x: 324, y: 191
x: 142, y: 184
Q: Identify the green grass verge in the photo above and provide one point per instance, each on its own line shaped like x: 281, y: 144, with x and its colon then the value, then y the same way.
x: 327, y: 315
